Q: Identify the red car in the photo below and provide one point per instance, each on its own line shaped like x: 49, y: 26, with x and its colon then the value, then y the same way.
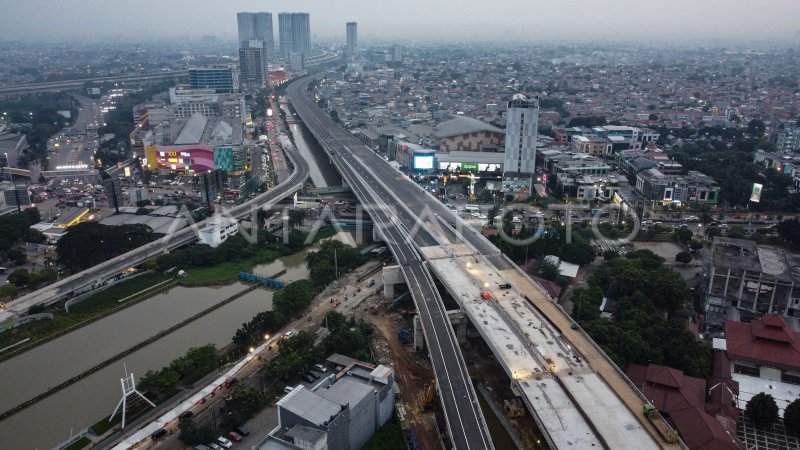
x: 235, y: 437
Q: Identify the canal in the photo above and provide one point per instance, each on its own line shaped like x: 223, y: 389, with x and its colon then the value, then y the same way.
x: 323, y: 174
x: 82, y: 404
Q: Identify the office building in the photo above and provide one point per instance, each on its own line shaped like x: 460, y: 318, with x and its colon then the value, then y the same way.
x: 257, y: 27
x: 352, y: 39
x: 294, y: 33
x: 113, y: 190
x: 341, y: 412
x: 17, y: 196
x: 660, y: 188
x: 253, y: 63
x: 397, y: 53
x: 218, y: 231
x: 522, y: 121
x: 519, y: 164
x: 222, y: 78
x: 211, y: 184
x: 296, y: 62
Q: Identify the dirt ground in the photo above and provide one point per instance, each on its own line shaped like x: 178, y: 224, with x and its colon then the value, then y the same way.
x: 414, y: 374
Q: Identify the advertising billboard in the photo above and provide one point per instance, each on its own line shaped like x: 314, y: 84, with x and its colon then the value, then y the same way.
x: 755, y: 196
x: 469, y: 166
x: 423, y: 162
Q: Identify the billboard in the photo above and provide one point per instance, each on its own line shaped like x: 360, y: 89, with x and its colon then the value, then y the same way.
x: 755, y: 196
x: 469, y: 166
x: 423, y: 162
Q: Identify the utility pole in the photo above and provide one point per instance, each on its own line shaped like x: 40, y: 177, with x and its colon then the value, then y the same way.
x: 336, y: 263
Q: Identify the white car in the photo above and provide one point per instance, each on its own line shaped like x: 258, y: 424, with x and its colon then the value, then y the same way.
x: 224, y: 442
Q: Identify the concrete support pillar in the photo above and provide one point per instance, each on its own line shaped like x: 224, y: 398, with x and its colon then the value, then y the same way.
x: 772, y: 297
x: 376, y: 235
x: 461, y: 333
x: 391, y: 276
x: 741, y: 289
x: 727, y: 280
x: 711, y: 280
x: 419, y: 336
x: 758, y: 291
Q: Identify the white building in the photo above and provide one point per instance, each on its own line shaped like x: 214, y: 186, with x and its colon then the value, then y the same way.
x: 218, y: 231
x: 522, y: 122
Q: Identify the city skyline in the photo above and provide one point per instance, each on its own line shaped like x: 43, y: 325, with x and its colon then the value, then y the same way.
x: 680, y: 20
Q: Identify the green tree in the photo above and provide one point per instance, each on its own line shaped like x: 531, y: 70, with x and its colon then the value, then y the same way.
x: 191, y: 434
x: 756, y: 128
x: 683, y: 257
x: 297, y: 217
x: 243, y: 404
x: 8, y: 291
x: 90, y: 243
x: 19, y: 277
x: 610, y: 254
x: 695, y: 245
x: 683, y: 235
x: 549, y: 270
x: 737, y: 232
x: 762, y: 410
x: 789, y: 230
x: 791, y: 416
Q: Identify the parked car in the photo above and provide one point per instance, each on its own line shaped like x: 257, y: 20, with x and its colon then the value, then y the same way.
x: 224, y: 442
x: 236, y: 437
x: 242, y: 430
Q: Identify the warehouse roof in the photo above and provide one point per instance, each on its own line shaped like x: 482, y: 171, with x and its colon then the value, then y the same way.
x: 463, y: 125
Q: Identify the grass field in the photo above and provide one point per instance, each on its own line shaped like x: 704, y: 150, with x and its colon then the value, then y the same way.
x: 228, y: 272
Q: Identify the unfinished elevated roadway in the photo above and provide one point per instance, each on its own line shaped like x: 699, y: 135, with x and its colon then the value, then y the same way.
x: 577, y: 395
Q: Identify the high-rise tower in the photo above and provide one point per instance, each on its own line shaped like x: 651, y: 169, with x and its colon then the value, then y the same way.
x: 257, y: 27
x: 352, y: 39
x: 522, y: 123
x: 294, y: 33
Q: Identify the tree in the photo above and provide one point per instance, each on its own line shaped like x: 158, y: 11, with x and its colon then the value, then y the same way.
x: 106, y: 242
x: 695, y: 245
x: 683, y: 257
x: 19, y: 277
x: 789, y: 230
x: 191, y: 434
x: 8, y: 291
x: 791, y: 416
x: 683, y: 235
x: 610, y: 254
x: 549, y: 270
x: 297, y: 217
x: 762, y: 410
x: 756, y: 128
x: 737, y: 232
x: 243, y: 404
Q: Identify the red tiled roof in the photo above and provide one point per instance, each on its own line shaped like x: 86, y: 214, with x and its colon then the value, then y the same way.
x: 682, y: 399
x: 768, y: 340
x: 700, y: 431
x: 669, y: 389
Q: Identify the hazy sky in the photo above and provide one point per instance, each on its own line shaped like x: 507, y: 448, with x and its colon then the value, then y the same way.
x: 410, y: 19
